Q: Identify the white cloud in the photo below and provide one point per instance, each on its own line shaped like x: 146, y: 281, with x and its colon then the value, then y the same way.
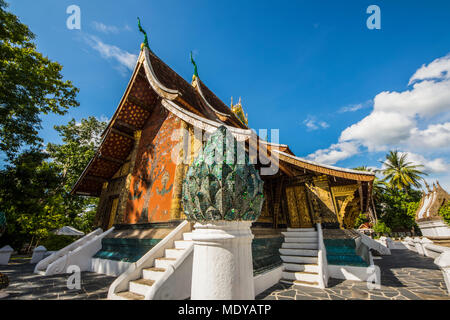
x: 396, y: 115
x: 425, y: 99
x: 311, y: 123
x: 107, y: 51
x: 415, y: 120
x: 105, y: 28
x: 437, y: 165
x: 351, y: 108
x: 439, y: 68
x: 435, y: 136
x: 334, y: 153
x: 379, y: 130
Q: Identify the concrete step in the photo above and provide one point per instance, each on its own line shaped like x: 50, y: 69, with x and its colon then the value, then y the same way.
x: 300, y: 229
x: 127, y: 295
x: 164, y: 262
x: 296, y: 267
x: 300, y: 283
x: 301, y: 240
x: 303, y: 234
x: 296, y: 259
x: 182, y: 244
x: 295, y: 245
x: 173, y: 253
x: 140, y: 286
x: 301, y: 276
x: 299, y: 252
x: 313, y: 284
x: 153, y: 273
x: 187, y: 236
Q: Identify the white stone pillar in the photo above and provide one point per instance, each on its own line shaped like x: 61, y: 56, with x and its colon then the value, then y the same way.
x: 424, y: 242
x: 418, y: 246
x: 222, y: 266
x: 38, y: 254
x: 5, y: 254
x: 443, y: 261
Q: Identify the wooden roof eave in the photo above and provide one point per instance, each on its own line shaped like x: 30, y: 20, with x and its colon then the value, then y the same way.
x: 325, y: 169
x: 222, y: 116
x: 157, y: 86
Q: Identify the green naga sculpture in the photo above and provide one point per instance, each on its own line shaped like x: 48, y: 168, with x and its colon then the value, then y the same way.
x: 145, y: 43
x: 195, y: 66
x: 224, y: 189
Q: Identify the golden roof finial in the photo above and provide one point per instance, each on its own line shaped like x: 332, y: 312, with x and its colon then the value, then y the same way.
x: 239, y: 111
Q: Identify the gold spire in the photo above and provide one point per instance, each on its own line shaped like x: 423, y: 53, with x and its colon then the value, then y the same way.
x: 239, y: 111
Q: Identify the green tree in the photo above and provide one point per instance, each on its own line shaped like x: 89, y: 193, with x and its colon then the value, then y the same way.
x: 397, y: 208
x: 35, y: 186
x: 29, y: 188
x: 444, y: 211
x: 401, y: 174
x: 79, y: 143
x: 31, y: 85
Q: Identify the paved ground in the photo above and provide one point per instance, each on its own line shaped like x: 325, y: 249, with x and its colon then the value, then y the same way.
x: 25, y: 285
x: 404, y: 276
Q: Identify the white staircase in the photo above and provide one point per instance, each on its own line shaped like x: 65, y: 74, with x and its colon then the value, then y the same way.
x: 77, y: 253
x: 147, y: 278
x: 300, y: 255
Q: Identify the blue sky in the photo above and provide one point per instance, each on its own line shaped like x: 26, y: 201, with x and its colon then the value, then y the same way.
x: 339, y: 93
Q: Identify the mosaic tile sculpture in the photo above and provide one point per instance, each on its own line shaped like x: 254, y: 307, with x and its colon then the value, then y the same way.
x: 218, y: 187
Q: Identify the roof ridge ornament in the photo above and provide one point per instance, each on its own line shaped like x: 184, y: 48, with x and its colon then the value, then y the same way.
x: 145, y: 42
x: 427, y: 186
x: 239, y: 111
x: 195, y: 68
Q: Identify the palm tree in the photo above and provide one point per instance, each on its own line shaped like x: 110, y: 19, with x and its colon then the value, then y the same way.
x: 401, y: 174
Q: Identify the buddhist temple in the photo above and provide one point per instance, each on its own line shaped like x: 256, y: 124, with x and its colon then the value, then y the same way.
x: 159, y: 127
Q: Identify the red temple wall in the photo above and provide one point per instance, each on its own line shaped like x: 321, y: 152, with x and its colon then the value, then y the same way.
x: 151, y: 188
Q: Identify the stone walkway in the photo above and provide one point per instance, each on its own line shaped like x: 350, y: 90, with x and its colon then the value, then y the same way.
x: 404, y: 276
x: 25, y: 285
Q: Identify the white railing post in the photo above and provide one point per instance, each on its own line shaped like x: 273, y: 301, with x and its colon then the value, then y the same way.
x: 443, y: 261
x: 322, y: 259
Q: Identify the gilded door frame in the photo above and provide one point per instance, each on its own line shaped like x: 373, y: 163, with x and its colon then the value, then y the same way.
x: 297, y: 219
x: 112, y: 208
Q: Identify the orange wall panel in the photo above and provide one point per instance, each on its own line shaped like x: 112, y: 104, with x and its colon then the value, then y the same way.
x: 151, y: 188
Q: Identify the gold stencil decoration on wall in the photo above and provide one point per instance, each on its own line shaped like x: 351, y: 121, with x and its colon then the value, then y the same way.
x: 298, y: 207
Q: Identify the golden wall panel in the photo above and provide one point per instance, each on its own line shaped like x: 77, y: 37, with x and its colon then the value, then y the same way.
x: 298, y: 207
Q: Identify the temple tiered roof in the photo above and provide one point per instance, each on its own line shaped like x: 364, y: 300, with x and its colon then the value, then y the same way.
x: 196, y: 104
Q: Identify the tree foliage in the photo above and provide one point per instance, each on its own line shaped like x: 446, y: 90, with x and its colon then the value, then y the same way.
x: 31, y: 84
x: 397, y: 208
x: 35, y: 186
x: 29, y: 189
x: 400, y: 173
x: 444, y: 211
x: 395, y: 199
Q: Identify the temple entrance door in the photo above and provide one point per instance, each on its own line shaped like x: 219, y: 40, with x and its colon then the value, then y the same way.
x: 299, y: 213
x: 113, y: 203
